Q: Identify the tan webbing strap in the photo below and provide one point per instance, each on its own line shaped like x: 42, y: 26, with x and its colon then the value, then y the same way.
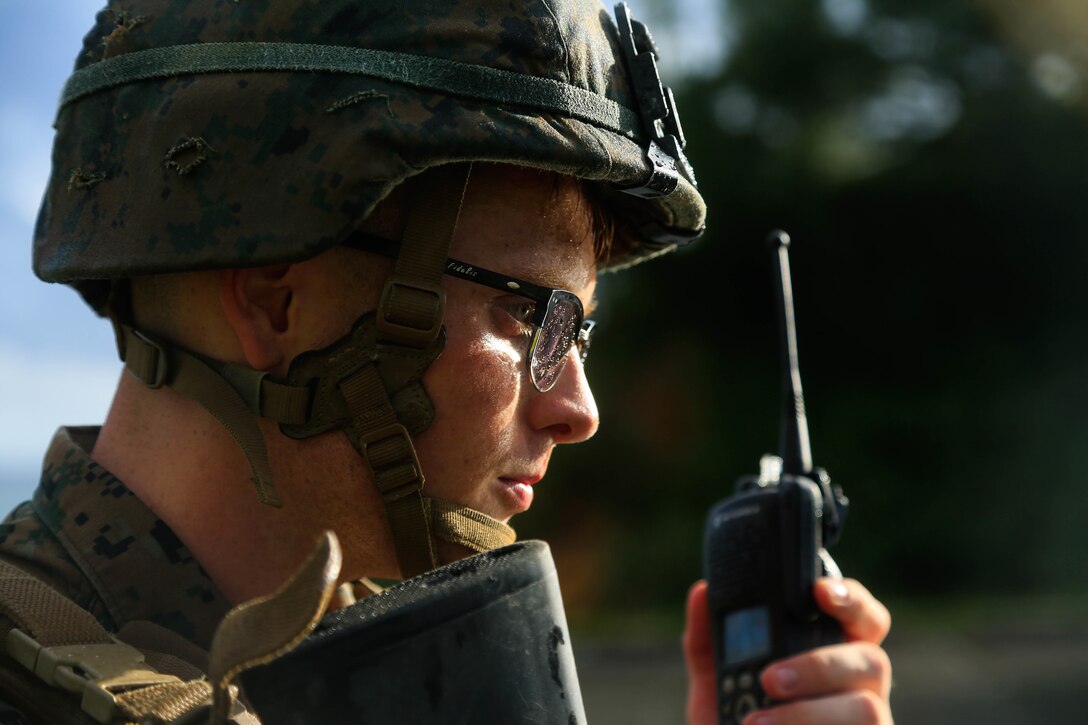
x: 413, y: 301
x: 156, y: 364
x: 263, y: 629
x: 149, y: 361
x: 467, y: 527
x: 164, y: 702
x: 196, y: 380
x: 436, y: 205
x: 388, y: 451
x: 67, y: 648
x: 285, y: 404
x: 144, y: 359
x: 41, y: 612
x: 409, y: 318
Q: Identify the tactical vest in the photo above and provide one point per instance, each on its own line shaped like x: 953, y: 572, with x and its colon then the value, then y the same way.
x: 58, y: 664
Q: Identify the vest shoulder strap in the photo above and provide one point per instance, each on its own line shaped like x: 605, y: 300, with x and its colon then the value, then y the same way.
x: 50, y: 646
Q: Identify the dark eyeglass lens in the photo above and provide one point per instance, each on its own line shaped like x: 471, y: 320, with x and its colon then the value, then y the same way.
x: 554, y: 340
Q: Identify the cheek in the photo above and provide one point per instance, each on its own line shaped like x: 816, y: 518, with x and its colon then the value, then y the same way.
x: 480, y: 380
x: 475, y: 387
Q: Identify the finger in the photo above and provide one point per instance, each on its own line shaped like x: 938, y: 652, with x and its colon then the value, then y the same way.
x: 699, y: 657
x: 861, y: 615
x: 836, y: 669
x: 851, y: 708
x: 697, y: 630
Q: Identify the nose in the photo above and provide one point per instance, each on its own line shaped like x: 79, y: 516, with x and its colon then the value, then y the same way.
x: 568, y: 411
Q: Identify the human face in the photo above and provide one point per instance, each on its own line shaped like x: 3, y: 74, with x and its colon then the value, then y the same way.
x: 494, y: 432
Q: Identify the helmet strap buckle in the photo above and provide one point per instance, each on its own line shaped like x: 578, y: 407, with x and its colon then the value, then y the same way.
x: 411, y: 311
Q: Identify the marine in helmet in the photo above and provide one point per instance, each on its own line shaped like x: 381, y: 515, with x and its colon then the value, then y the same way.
x: 350, y: 253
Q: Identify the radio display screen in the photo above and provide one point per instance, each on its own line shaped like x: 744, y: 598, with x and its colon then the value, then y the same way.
x: 747, y: 635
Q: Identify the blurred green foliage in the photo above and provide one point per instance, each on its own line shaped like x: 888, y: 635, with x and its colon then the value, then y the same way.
x: 932, y: 179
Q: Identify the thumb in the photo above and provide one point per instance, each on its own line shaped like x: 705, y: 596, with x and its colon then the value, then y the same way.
x: 702, y: 703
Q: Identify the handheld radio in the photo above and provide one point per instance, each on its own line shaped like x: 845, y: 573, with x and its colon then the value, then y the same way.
x: 766, y: 544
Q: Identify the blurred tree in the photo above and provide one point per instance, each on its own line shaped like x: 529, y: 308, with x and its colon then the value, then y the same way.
x: 930, y: 178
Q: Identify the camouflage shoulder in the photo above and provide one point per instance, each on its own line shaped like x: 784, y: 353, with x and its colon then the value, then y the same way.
x: 27, y: 543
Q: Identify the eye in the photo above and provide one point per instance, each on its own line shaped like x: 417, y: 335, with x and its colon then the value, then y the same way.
x: 515, y: 315
x: 522, y: 311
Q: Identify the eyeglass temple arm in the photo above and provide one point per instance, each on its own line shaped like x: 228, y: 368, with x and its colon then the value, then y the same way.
x: 455, y: 268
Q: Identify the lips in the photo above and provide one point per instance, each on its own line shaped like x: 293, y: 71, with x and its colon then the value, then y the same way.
x: 518, y: 490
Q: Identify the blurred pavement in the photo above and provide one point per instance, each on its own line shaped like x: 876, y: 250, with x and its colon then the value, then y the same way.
x: 940, y: 679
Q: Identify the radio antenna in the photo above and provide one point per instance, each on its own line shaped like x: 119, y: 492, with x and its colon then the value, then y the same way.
x: 793, y: 443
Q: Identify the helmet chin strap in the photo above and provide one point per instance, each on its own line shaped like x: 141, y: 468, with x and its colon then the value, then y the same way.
x: 367, y: 383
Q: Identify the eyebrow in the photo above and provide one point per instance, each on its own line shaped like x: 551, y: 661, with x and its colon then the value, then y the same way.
x: 551, y: 278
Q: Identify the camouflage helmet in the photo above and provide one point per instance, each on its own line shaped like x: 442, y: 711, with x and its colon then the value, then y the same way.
x: 192, y: 135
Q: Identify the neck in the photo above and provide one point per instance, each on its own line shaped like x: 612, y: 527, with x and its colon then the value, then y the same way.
x: 177, y: 459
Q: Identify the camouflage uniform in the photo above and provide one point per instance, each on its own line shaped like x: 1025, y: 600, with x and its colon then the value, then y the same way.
x: 86, y: 535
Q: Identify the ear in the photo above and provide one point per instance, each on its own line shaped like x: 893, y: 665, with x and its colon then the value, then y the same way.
x: 257, y: 303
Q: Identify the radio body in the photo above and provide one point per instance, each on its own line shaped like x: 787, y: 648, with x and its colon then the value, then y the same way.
x: 764, y: 552
x: 765, y: 546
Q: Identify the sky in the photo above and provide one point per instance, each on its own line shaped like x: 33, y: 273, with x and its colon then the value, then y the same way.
x: 57, y: 360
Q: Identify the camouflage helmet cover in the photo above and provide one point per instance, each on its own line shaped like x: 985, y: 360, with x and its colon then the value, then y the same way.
x: 185, y: 142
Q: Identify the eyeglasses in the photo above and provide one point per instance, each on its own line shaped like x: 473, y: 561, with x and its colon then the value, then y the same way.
x: 557, y: 321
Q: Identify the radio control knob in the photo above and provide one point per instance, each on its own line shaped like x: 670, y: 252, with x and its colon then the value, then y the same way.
x: 729, y: 685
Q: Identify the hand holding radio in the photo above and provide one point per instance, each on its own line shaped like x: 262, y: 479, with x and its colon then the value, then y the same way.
x: 845, y: 683
x: 775, y: 630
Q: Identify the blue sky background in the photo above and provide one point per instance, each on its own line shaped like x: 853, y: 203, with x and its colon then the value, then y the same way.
x: 57, y: 364
x: 57, y: 360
